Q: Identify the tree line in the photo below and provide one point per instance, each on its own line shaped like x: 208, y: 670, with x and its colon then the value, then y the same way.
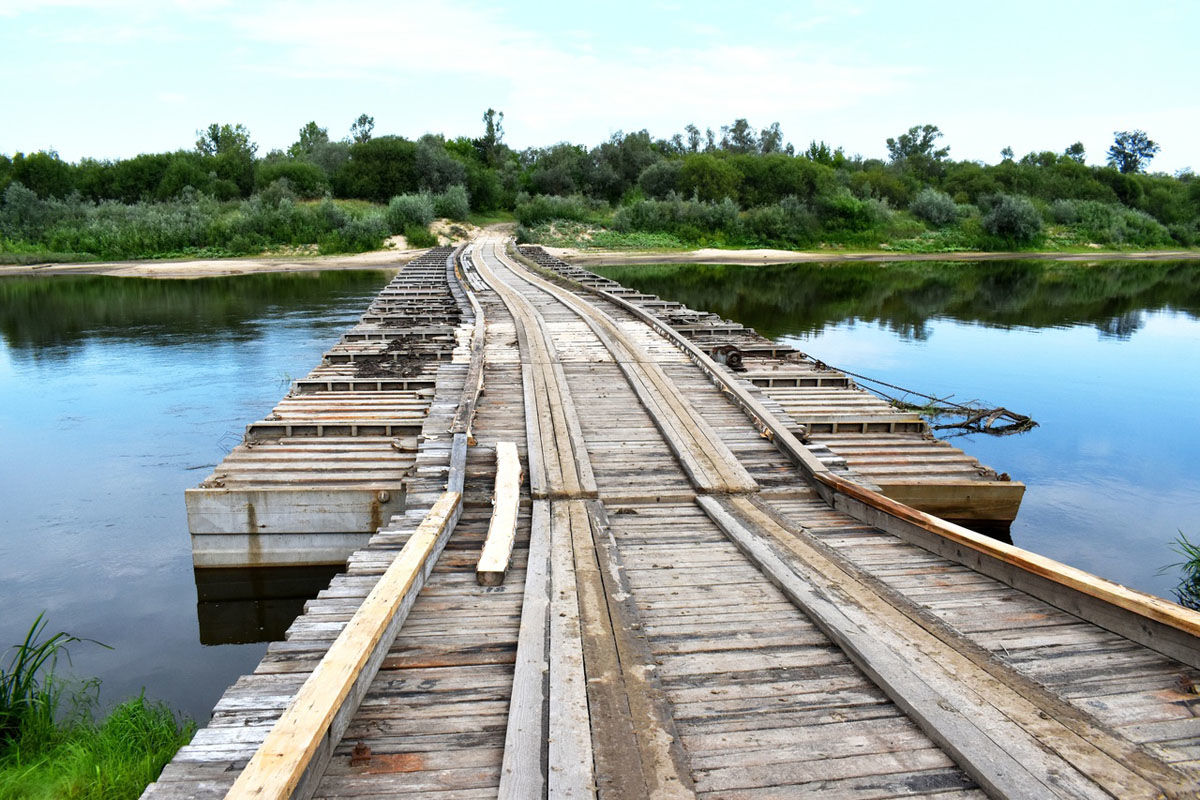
x: 735, y: 186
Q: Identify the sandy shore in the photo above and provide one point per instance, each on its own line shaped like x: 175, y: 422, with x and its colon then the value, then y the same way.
x: 205, y: 268
x: 599, y: 258
x: 391, y: 259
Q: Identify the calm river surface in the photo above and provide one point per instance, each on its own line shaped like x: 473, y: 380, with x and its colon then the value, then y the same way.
x: 1106, y: 357
x: 116, y: 394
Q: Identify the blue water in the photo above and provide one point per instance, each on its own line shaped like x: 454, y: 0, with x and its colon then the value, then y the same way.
x: 106, y: 417
x: 1105, y: 357
x: 1113, y: 469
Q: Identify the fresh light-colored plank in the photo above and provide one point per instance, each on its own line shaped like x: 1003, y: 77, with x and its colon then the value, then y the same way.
x: 309, y: 724
x: 502, y: 530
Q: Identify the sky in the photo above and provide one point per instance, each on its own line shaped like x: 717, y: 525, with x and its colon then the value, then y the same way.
x: 114, y: 78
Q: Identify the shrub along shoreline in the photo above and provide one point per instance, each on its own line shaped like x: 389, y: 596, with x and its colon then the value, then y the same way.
x: 199, y: 226
x: 933, y: 223
x: 739, y: 188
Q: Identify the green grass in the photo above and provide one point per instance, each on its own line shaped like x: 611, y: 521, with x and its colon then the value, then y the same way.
x: 52, y: 746
x: 1187, y: 592
x: 419, y: 236
x: 581, y: 235
x: 483, y: 219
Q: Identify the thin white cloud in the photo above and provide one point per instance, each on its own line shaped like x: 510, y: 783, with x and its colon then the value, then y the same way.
x: 15, y: 8
x: 553, y: 89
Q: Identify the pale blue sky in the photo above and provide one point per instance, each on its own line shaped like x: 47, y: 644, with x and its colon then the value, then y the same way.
x: 112, y: 78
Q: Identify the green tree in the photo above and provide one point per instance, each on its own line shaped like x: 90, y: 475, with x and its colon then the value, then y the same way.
x: 739, y: 137
x: 709, y: 177
x: 223, y: 139
x: 824, y: 154
x: 378, y: 169
x: 361, y: 128
x: 1006, y: 154
x: 5, y: 171
x: 770, y: 140
x: 616, y: 164
x: 183, y: 169
x: 693, y: 138
x: 437, y: 170
x: 304, y: 178
x: 1131, y: 151
x: 44, y: 173
x: 311, y: 137
x: 493, y: 136
x: 917, y: 150
x: 1075, y: 152
x: 558, y: 170
x: 661, y: 178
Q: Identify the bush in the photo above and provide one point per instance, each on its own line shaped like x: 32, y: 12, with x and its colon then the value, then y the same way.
x: 1065, y: 212
x: 419, y: 236
x: 365, y: 233
x: 1011, y: 217
x: 193, y: 223
x: 544, y: 208
x: 306, y: 179
x: 660, y: 178
x: 1107, y: 223
x: 452, y: 203
x: 409, y: 209
x: 689, y: 220
x: 841, y: 210
x: 23, y: 215
x: 788, y: 222
x: 936, y: 208
x: 1185, y: 235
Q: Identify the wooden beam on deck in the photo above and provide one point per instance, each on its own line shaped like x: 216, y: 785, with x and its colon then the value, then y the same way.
x: 502, y: 530
x: 291, y: 759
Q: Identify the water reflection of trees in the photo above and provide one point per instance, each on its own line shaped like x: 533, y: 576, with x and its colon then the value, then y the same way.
x: 805, y: 298
x: 58, y: 313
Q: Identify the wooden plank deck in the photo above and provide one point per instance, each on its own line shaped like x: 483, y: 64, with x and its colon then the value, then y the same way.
x: 694, y: 608
x: 329, y: 465
x: 885, y: 449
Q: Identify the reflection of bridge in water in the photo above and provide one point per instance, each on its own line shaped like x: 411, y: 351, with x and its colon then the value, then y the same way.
x: 711, y: 582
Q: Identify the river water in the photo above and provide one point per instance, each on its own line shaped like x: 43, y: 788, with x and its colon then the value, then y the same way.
x: 116, y: 394
x: 1105, y: 357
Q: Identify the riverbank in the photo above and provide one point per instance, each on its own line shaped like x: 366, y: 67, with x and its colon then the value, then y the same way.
x: 613, y: 258
x: 386, y: 259
x: 214, y: 267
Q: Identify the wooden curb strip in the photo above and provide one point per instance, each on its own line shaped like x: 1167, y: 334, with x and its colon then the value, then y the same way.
x: 291, y: 759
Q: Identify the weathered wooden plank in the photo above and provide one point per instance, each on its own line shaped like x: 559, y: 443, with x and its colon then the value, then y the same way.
x: 523, y: 774
x: 570, y: 770
x: 986, y: 751
x: 292, y: 753
x: 502, y: 529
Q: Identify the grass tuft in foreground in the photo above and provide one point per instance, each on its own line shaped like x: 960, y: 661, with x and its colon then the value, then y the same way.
x: 51, y: 745
x: 1187, y: 592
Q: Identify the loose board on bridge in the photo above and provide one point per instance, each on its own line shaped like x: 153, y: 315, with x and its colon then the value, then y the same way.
x: 309, y: 726
x: 502, y: 531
